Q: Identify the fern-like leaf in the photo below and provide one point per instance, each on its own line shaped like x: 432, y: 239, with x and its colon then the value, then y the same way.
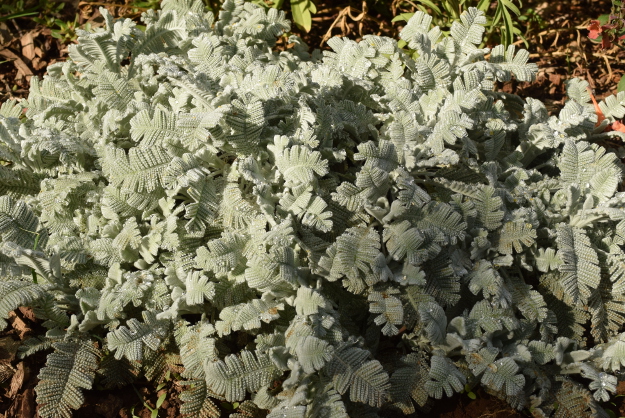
x: 444, y: 376
x: 590, y: 167
x: 467, y: 33
x: 434, y: 321
x: 196, y: 400
x: 139, y: 170
x: 19, y: 224
x: 116, y: 373
x: 128, y: 341
x: 355, y: 251
x: 196, y: 347
x: 513, y: 64
x: 69, y: 369
x: 299, y: 164
x: 366, y: 379
x: 14, y: 294
x: 247, y: 316
x: 223, y: 255
x: 313, y: 353
x: 580, y: 270
x: 404, y: 242
x: 162, y: 36
x: 389, y: 308
x: 513, y: 234
x: 199, y: 288
x: 158, y: 129
x: 203, y: 211
x: 236, y: 375
x: 488, y: 208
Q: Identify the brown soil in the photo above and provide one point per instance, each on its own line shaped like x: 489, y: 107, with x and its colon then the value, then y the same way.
x: 557, y: 41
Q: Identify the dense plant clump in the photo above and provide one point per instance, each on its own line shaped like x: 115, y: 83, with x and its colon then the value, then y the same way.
x: 346, y: 233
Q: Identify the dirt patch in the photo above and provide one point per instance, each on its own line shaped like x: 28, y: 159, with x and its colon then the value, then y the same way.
x: 483, y: 406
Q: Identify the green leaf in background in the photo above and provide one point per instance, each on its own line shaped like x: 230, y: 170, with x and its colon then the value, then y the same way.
x: 301, y: 10
x: 508, y: 31
x: 603, y: 19
x: 160, y: 400
x: 470, y: 394
x: 502, y: 19
x: 621, y: 84
x: 431, y: 5
x: 483, y: 5
x: 18, y: 14
x: 402, y: 16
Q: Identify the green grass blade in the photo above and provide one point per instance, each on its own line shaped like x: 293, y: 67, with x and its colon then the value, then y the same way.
x: 18, y: 15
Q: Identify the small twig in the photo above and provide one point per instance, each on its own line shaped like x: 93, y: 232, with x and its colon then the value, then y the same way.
x: 551, y: 54
x: 607, y: 63
x: 342, y: 17
x: 555, y: 41
x: 360, y: 16
x: 604, y: 55
x: 550, y: 32
x: 412, y: 4
x: 19, y: 63
x: 579, y: 46
x: 330, y: 10
x: 328, y: 34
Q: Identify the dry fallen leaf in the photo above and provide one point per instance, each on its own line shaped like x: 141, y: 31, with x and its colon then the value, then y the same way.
x: 19, y: 325
x: 17, y: 381
x: 8, y: 348
x: 6, y: 371
x: 600, y: 115
x: 618, y: 126
x: 6, y: 36
x: 24, y: 405
x: 28, y: 313
x: 28, y: 46
x: 556, y: 79
x: 22, y: 68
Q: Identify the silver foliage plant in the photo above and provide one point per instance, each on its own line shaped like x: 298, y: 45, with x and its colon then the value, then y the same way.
x: 349, y: 233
